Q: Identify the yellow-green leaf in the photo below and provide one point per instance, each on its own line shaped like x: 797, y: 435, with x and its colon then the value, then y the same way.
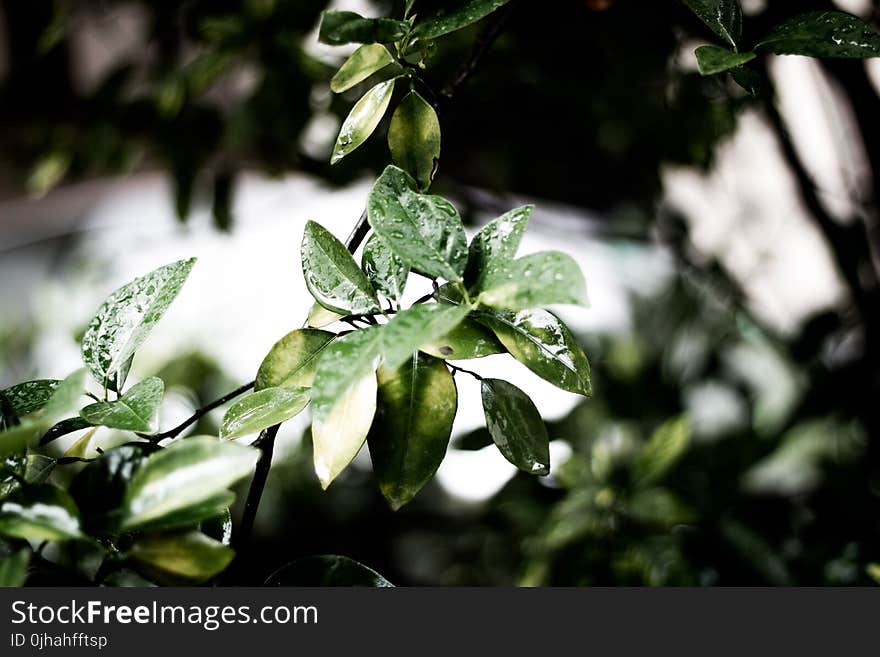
x: 362, y: 63
x: 363, y: 119
x: 414, y: 138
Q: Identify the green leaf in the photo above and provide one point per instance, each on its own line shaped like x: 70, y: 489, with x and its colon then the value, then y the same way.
x: 189, y: 473
x: 320, y: 317
x: 190, y: 555
x: 454, y: 18
x: 823, y: 34
x: 262, y: 409
x: 327, y: 570
x: 751, y: 81
x: 30, y: 396
x: 424, y: 231
x: 293, y: 360
x: 408, y: 440
x: 339, y: 27
x: 467, y: 340
x: 191, y: 516
x: 363, y: 119
x: 661, y: 452
x: 332, y: 275
x: 724, y: 17
x: 137, y: 410
x: 63, y: 428
x: 38, y: 468
x: 386, y: 271
x: 414, y: 138
x: 543, y: 343
x: 516, y: 426
x: 496, y: 244
x: 539, y: 279
x: 127, y: 317
x: 658, y: 506
x: 17, y: 438
x: 410, y: 329
x: 13, y: 568
x: 40, y: 513
x: 363, y: 62
x: 873, y: 570
x: 713, y: 59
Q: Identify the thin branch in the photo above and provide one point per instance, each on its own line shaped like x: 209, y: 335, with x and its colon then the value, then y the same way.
x: 455, y: 369
x: 266, y: 444
x: 173, y: 433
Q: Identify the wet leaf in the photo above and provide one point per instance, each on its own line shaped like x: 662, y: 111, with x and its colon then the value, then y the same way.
x: 326, y: 570
x: 539, y: 279
x: 40, y: 513
x: 13, y: 568
x: 332, y: 275
x: 416, y: 408
x: 516, y: 426
x: 38, y: 468
x: 496, y: 244
x: 712, y: 59
x: 137, y: 410
x: 467, y: 340
x: 661, y: 452
x: 30, y: 396
x: 410, y: 329
x: 363, y: 62
x: 293, y: 360
x: 724, y: 17
x: 339, y: 27
x: 320, y: 317
x: 456, y: 17
x: 424, y: 231
x: 363, y: 119
x: 543, y: 343
x: 260, y: 410
x: 127, y: 317
x: 414, y: 138
x: 63, y: 428
x: 823, y: 34
x: 190, y: 555
x: 189, y: 474
x: 386, y: 271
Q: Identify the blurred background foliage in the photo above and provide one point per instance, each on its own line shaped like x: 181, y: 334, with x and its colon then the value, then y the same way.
x: 716, y: 450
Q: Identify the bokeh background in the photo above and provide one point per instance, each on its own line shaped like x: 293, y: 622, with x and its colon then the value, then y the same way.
x: 729, y: 244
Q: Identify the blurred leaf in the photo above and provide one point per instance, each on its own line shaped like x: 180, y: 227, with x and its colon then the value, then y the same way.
x: 38, y: 468
x: 363, y: 62
x: 386, y: 271
x: 340, y: 27
x: 332, y: 275
x: 262, y: 409
x: 724, y: 17
x: 452, y: 18
x: 516, y: 426
x: 408, y: 440
x: 749, y: 80
x: 662, y: 451
x: 40, y: 513
x: 424, y: 231
x: 190, y: 555
x: 467, y: 340
x: 137, y: 410
x: 293, y: 360
x: 539, y: 340
x: 13, y: 568
x: 320, y: 317
x: 754, y: 550
x: 658, y: 506
x: 873, y: 570
x: 823, y: 34
x: 327, y: 570
x: 127, y: 317
x: 414, y: 138
x: 187, y: 474
x: 363, y: 119
x: 539, y: 279
x: 713, y: 59
x: 496, y: 244
x: 473, y: 441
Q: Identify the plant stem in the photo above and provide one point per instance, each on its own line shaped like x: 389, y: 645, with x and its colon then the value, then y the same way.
x: 266, y: 444
x: 173, y: 433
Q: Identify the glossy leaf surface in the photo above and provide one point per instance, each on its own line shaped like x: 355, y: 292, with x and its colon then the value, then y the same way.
x: 339, y: 27
x: 362, y: 120
x: 516, y: 426
x: 535, y: 280
x: 190, y: 555
x: 414, y: 138
x: 137, y: 410
x: 40, y: 513
x: 456, y: 16
x: 467, y: 340
x: 386, y: 271
x: 823, y: 34
x: 496, y: 244
x: 260, y: 410
x: 362, y: 63
x: 724, y: 17
x: 712, y: 59
x: 30, y: 396
x: 293, y: 360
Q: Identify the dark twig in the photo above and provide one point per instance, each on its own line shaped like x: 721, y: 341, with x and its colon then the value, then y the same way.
x: 173, y: 433
x: 266, y: 444
x: 455, y: 369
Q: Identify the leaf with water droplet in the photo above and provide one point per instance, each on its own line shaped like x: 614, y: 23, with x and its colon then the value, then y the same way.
x: 454, y: 17
x: 467, y: 340
x: 137, y: 410
x: 260, y: 410
x: 713, y: 59
x: 416, y: 408
x: 535, y: 280
x: 724, y: 17
x: 823, y: 34
x: 292, y: 361
x: 422, y: 230
x: 363, y: 119
x: 544, y: 344
x: 364, y: 61
x: 413, y: 327
x: 386, y: 271
x: 340, y: 27
x: 516, y: 426
x: 30, y: 396
x: 127, y: 317
x: 496, y: 244
x: 414, y: 138
x: 332, y: 275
